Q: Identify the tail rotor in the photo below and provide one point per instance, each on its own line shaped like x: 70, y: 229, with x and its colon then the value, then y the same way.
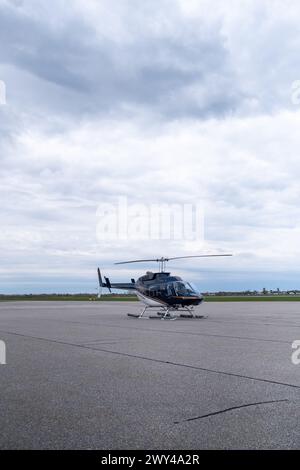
x: 100, y: 287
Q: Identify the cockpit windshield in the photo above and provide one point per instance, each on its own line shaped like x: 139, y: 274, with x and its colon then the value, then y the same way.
x: 184, y: 289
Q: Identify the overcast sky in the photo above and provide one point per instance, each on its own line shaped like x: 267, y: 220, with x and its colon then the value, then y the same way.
x: 161, y: 101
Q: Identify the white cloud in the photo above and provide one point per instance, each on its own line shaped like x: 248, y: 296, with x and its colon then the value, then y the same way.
x: 159, y: 102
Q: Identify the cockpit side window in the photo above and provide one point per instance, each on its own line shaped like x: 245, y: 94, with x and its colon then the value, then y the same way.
x: 183, y: 288
x: 170, y: 290
x: 180, y: 288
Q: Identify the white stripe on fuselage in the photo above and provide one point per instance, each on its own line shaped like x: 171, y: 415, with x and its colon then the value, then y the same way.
x: 150, y: 302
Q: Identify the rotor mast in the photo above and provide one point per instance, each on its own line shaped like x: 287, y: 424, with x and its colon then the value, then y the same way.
x: 162, y: 264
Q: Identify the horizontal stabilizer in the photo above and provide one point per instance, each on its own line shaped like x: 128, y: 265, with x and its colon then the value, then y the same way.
x: 113, y: 285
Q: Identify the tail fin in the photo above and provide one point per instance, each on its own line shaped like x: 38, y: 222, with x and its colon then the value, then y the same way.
x: 102, y: 284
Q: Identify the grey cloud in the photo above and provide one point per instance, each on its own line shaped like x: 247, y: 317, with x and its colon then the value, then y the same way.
x: 34, y: 47
x: 100, y: 75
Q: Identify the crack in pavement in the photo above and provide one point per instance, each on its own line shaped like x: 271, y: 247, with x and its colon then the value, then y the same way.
x: 159, y: 361
x: 192, y: 333
x: 215, y: 413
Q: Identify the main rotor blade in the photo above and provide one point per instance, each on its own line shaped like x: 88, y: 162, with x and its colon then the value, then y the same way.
x: 162, y: 259
x: 138, y: 261
x: 196, y: 256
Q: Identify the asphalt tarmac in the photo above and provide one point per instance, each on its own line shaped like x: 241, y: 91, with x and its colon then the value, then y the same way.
x: 83, y: 375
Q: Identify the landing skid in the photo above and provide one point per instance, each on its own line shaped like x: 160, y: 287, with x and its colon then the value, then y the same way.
x: 165, y: 313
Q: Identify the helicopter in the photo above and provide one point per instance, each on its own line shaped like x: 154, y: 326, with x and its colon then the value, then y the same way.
x: 161, y: 290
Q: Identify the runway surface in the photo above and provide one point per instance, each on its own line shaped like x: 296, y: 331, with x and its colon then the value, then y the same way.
x: 82, y: 375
